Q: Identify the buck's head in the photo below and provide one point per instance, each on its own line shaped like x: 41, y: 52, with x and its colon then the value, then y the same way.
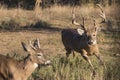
x: 36, y: 54
x: 89, y: 35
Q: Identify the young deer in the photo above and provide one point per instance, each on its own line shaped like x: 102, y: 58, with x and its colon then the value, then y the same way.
x: 82, y: 40
x: 11, y: 69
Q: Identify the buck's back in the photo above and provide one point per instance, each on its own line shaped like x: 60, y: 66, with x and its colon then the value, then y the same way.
x: 72, y: 40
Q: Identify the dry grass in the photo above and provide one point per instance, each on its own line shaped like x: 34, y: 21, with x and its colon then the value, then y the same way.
x: 58, y: 17
x: 49, y: 22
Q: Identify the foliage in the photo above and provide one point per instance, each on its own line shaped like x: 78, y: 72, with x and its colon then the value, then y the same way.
x: 47, y: 3
x: 76, y: 69
x: 73, y: 69
x: 9, y: 25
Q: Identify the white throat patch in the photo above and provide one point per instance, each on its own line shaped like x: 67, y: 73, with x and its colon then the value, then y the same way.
x: 35, y: 65
x: 94, y: 42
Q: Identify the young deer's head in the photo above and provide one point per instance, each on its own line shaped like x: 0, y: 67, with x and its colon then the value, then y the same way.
x: 35, y: 53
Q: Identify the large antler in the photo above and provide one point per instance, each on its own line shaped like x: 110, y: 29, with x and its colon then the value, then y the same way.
x: 76, y: 23
x: 102, y: 14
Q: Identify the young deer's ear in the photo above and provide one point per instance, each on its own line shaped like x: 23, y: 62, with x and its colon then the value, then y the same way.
x: 36, y: 44
x: 25, y: 47
x: 28, y: 48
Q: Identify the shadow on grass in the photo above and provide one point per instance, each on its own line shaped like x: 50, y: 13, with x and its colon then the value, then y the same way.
x: 14, y: 26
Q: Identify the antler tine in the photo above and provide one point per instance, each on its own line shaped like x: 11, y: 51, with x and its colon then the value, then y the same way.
x: 73, y: 20
x: 32, y: 45
x: 102, y: 14
x: 38, y: 43
x: 94, y: 22
x: 83, y: 23
x: 76, y: 23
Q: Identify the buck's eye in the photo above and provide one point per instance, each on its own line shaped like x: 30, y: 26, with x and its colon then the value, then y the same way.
x: 38, y: 55
x: 93, y: 34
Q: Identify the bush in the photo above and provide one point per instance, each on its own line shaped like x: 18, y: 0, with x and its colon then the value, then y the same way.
x: 9, y: 25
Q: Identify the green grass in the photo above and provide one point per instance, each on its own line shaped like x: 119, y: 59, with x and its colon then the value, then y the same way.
x: 77, y: 69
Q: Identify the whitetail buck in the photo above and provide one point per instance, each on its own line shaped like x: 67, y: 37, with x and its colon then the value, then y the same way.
x: 11, y: 69
x: 82, y: 40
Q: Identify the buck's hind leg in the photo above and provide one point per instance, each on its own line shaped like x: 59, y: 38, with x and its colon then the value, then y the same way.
x: 73, y: 54
x: 68, y: 52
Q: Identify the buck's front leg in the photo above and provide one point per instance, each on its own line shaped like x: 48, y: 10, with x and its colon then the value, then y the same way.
x: 68, y: 52
x: 85, y: 56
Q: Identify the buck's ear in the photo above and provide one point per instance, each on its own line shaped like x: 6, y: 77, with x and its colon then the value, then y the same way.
x: 25, y: 47
x: 80, y: 31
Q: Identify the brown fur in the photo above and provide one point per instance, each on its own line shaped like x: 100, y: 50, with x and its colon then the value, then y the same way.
x: 11, y: 69
x: 82, y: 40
x: 73, y: 41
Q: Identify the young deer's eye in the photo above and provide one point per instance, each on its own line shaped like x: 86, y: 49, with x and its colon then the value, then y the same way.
x: 39, y: 54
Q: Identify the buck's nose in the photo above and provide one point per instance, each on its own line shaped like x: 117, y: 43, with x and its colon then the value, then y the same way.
x: 90, y: 42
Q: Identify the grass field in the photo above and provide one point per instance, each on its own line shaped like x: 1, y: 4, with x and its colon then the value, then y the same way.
x: 18, y: 25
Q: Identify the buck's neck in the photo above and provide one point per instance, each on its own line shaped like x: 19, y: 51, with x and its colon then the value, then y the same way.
x: 91, y: 49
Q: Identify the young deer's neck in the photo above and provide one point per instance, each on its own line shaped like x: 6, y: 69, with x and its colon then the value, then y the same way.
x: 28, y: 66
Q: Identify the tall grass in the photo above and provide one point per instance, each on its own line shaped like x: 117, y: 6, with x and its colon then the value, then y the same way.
x: 77, y: 69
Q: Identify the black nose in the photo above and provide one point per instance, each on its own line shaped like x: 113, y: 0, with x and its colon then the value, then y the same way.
x: 90, y: 43
x: 47, y: 63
